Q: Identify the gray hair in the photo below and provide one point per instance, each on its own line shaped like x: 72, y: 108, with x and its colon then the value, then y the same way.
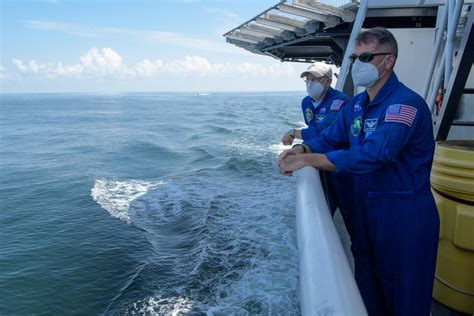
x: 381, y: 37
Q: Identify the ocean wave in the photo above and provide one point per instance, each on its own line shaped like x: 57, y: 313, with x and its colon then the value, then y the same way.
x: 174, y: 305
x: 240, y: 163
x: 217, y: 129
x: 226, y: 255
x: 200, y: 154
x: 115, y: 196
x: 149, y: 149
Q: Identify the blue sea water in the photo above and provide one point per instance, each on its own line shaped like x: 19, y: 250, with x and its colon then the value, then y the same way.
x: 146, y: 203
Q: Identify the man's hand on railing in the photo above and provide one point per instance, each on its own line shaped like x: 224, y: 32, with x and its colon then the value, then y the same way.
x: 297, y: 149
x: 290, y: 160
x: 288, y: 138
x: 290, y: 163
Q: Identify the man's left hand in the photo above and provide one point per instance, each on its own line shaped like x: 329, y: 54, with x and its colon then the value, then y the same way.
x: 291, y: 163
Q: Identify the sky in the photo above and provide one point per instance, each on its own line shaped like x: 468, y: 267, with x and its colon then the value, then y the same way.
x: 127, y: 46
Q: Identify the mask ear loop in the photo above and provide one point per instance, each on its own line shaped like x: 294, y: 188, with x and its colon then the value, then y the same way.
x: 383, y: 60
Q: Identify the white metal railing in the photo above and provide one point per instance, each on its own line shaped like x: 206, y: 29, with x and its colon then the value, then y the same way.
x: 435, y: 53
x: 445, y: 63
x: 327, y: 285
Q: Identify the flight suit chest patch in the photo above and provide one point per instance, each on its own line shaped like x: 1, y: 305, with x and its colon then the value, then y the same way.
x: 308, y: 114
x: 370, y: 125
x: 357, y: 107
x: 356, y: 126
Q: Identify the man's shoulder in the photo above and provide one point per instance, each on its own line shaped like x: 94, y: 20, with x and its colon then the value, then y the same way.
x: 338, y: 95
x: 406, y: 106
x: 306, y: 100
x: 350, y: 102
x: 406, y: 96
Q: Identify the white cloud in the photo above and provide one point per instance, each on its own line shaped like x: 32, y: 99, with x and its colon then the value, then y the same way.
x: 146, y: 68
x: 94, y: 63
x: 19, y: 64
x: 103, y: 63
x: 3, y: 74
x: 107, y: 63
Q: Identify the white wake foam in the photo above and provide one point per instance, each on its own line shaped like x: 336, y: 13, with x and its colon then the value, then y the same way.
x: 115, y: 196
x: 160, y: 306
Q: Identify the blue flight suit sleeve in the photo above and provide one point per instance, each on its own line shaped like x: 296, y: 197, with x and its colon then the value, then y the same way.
x: 308, y: 131
x: 378, y: 149
x: 333, y: 137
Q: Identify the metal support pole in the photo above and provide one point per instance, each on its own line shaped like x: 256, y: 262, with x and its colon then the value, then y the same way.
x: 437, y: 82
x: 435, y: 54
x: 359, y: 21
x: 453, y: 23
x: 442, y: 65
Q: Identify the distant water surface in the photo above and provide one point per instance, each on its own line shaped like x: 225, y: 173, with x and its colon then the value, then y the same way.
x: 146, y: 204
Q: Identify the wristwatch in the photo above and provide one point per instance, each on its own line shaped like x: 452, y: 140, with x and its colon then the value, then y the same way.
x: 292, y: 134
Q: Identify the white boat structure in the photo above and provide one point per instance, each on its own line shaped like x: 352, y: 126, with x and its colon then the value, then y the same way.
x: 435, y: 38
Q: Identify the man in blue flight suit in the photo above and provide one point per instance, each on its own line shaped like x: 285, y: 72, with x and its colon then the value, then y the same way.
x: 395, y: 222
x: 320, y: 108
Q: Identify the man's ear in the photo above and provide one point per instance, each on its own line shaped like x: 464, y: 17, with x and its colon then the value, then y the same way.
x: 328, y: 82
x: 390, y: 62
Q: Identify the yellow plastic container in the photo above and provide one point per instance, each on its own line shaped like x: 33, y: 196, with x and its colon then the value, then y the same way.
x: 452, y: 181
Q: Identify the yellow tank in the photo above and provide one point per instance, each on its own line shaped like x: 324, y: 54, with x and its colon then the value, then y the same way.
x: 452, y: 182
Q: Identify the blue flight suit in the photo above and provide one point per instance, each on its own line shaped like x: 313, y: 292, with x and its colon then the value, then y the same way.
x: 323, y: 115
x: 319, y: 118
x: 395, y: 220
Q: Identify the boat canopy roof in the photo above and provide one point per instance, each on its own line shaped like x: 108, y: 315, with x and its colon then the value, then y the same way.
x: 310, y: 30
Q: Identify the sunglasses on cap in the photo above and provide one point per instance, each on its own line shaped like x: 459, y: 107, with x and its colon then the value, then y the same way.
x: 365, y: 57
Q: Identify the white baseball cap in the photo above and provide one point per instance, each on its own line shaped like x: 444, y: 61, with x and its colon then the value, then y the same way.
x: 318, y: 69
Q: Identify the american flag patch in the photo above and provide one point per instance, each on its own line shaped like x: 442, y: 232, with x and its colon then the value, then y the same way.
x: 400, y: 113
x: 336, y: 105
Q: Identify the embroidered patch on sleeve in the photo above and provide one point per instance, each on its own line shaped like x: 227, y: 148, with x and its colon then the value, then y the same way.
x: 336, y: 105
x: 400, y: 113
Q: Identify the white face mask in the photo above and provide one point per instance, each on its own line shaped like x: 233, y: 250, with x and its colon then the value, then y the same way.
x: 314, y: 89
x: 366, y: 74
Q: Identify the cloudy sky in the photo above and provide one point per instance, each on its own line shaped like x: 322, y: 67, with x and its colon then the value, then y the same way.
x: 134, y: 45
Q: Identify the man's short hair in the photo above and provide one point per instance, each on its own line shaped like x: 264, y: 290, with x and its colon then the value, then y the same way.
x: 381, y: 37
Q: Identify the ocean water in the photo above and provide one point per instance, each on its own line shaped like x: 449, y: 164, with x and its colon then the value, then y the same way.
x: 146, y: 203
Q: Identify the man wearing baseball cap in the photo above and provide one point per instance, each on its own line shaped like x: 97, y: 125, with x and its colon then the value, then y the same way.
x: 320, y: 106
